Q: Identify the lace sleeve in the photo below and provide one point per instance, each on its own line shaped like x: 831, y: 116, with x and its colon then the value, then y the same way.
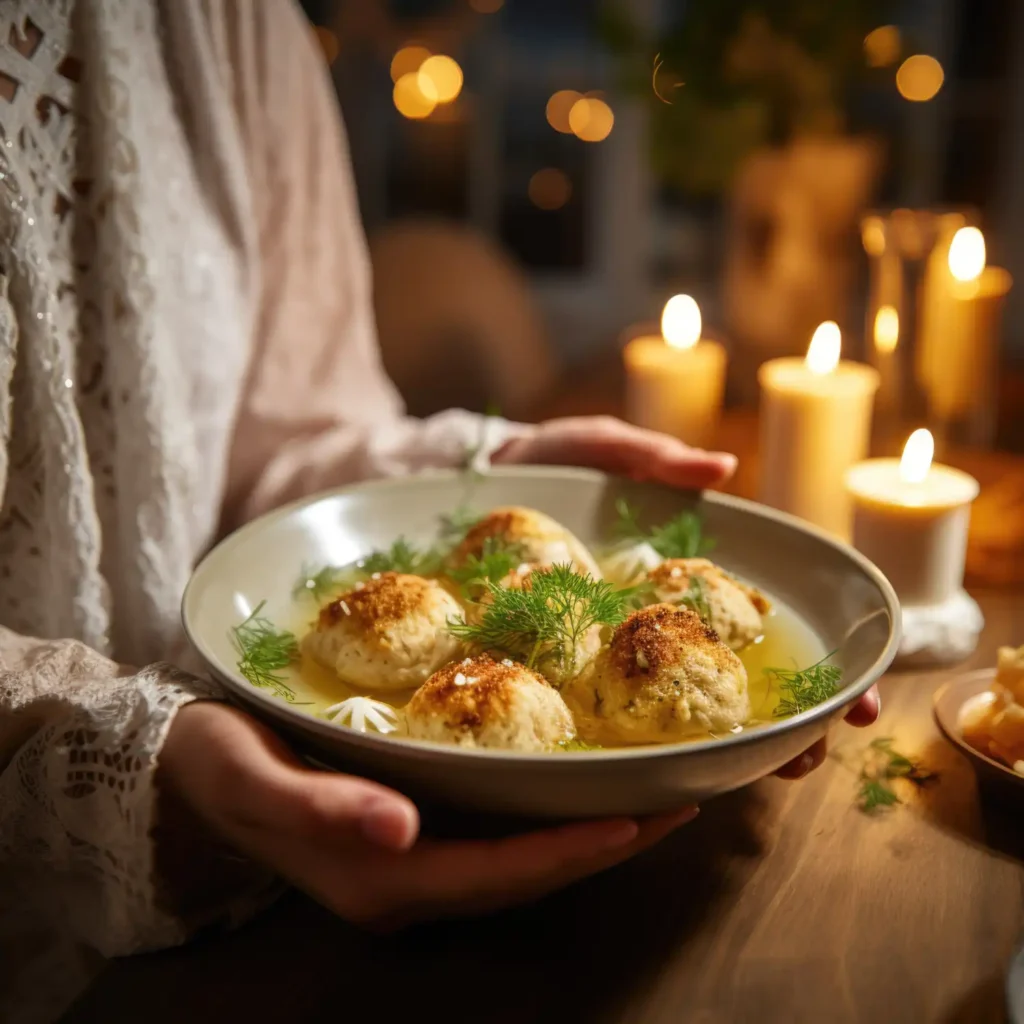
x: 79, y: 740
x: 318, y: 409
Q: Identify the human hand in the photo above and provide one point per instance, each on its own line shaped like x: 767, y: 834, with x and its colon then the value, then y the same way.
x: 353, y: 845
x: 865, y: 712
x: 603, y: 442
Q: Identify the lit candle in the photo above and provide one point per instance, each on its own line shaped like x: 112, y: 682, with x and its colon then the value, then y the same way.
x: 675, y: 381
x: 815, y: 424
x: 910, y: 518
x: 959, y: 342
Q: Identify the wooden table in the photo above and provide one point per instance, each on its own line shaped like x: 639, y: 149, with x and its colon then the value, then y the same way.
x: 781, y: 903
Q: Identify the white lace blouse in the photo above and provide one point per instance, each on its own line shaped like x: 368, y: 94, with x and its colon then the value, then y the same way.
x: 186, y: 339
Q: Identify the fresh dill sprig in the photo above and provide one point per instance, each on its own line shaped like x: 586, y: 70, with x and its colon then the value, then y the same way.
x: 882, y: 765
x: 496, y: 560
x: 322, y: 583
x: 803, y: 689
x: 456, y: 524
x: 696, y: 599
x: 681, y: 537
x: 545, y: 621
x: 263, y: 651
x: 404, y: 558
x: 574, y: 745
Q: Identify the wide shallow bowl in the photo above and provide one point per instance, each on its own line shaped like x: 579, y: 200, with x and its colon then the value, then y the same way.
x: 841, y: 595
x: 951, y: 702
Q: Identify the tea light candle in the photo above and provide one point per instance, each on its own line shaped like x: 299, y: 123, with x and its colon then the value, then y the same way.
x: 675, y: 381
x: 911, y: 517
x: 815, y: 424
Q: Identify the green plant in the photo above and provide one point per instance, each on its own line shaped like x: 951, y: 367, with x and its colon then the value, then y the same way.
x: 731, y: 76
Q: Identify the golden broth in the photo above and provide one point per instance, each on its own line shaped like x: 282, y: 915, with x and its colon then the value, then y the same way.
x: 787, y: 642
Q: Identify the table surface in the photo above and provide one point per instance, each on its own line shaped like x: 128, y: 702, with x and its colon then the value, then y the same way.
x: 782, y: 902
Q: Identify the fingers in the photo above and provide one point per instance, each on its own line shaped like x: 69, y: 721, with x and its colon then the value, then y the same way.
x: 462, y: 878
x: 805, y: 763
x: 866, y: 710
x: 614, y: 446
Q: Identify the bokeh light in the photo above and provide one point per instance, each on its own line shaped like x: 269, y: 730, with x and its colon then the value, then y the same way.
x: 887, y: 329
x: 444, y: 75
x: 920, y: 78
x: 882, y: 47
x: 558, y: 109
x: 591, y: 119
x: 415, y: 96
x: 550, y: 188
x: 409, y: 59
x: 487, y: 6
x: 873, y: 234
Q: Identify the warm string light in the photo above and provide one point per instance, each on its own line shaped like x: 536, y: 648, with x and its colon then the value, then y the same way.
x: 918, y: 453
x: 823, y: 352
x: 588, y: 117
x: 882, y: 47
x: 549, y: 188
x: 681, y: 322
x: 920, y: 78
x: 423, y: 81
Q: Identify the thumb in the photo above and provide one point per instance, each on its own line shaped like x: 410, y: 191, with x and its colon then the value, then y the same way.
x: 263, y: 787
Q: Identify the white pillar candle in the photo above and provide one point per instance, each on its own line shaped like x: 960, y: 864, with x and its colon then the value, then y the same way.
x: 960, y: 336
x: 675, y: 381
x: 910, y: 518
x: 815, y: 424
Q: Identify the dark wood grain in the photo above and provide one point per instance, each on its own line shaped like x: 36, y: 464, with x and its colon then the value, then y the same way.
x: 781, y: 903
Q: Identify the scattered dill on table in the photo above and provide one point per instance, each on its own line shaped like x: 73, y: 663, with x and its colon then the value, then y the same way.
x: 264, y: 650
x: 881, y: 767
x: 803, y: 689
x: 681, y: 537
x: 547, y: 621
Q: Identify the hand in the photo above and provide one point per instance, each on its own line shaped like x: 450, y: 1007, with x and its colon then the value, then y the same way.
x: 353, y: 845
x: 865, y: 712
x: 603, y: 442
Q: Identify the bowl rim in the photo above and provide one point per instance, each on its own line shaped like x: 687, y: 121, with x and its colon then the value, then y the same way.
x: 282, y: 710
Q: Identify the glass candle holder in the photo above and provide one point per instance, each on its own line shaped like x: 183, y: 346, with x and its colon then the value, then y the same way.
x: 932, y: 328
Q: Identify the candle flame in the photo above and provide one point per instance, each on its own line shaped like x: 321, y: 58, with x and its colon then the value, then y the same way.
x: 967, y: 254
x: 680, y: 322
x: 887, y: 328
x: 823, y: 353
x: 917, y: 457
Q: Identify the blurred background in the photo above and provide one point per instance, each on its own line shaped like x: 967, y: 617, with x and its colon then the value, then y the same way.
x: 536, y: 178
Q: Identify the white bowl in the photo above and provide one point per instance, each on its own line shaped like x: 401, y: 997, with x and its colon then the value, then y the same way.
x: 842, y: 596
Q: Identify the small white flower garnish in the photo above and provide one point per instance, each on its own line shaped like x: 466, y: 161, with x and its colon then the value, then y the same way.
x: 362, y: 713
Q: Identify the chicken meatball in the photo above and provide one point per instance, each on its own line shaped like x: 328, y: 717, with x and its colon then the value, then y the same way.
x: 735, y: 608
x: 665, y: 677
x: 483, y: 703
x: 389, y: 633
x: 540, y: 539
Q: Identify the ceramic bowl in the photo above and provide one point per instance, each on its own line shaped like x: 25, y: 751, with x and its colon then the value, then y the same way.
x: 950, y: 703
x: 841, y: 595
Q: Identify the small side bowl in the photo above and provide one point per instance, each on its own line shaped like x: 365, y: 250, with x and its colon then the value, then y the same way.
x: 948, y: 705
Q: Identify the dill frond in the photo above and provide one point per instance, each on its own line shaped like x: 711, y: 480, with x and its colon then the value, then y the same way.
x: 404, y: 558
x: 325, y: 582
x: 496, y: 560
x: 882, y: 765
x: 696, y: 599
x: 803, y: 689
x: 681, y: 537
x: 263, y: 651
x: 456, y: 524
x: 545, y: 622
